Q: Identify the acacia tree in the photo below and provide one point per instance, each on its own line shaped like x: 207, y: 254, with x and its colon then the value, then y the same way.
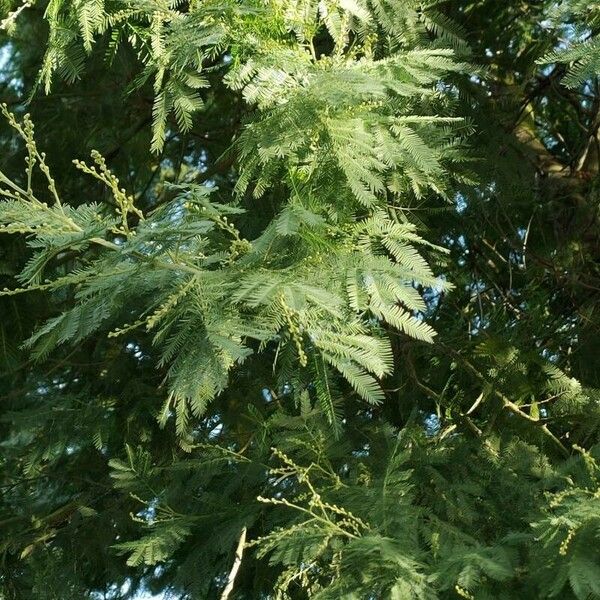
x: 301, y: 301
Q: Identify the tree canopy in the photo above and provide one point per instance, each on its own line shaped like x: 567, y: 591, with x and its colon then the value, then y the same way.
x: 300, y: 299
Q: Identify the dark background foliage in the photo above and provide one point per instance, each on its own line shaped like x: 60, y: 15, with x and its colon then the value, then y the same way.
x: 475, y: 477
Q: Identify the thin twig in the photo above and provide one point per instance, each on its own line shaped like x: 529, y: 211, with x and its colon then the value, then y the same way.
x: 236, y: 565
x: 475, y: 404
x: 509, y: 404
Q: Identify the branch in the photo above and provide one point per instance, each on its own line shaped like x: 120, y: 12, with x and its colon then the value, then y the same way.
x: 236, y: 565
x: 509, y: 404
x: 438, y: 398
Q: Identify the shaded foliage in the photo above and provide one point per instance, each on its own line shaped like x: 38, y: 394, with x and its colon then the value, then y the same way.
x: 329, y: 278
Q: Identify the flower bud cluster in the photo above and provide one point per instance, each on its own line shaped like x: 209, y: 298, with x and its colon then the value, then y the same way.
x: 291, y: 318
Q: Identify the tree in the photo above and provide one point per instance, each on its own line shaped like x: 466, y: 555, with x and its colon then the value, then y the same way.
x: 301, y: 302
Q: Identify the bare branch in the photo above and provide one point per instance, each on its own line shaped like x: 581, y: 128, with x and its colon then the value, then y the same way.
x: 236, y: 565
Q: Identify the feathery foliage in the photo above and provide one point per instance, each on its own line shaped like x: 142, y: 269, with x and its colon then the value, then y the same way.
x: 318, y: 316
